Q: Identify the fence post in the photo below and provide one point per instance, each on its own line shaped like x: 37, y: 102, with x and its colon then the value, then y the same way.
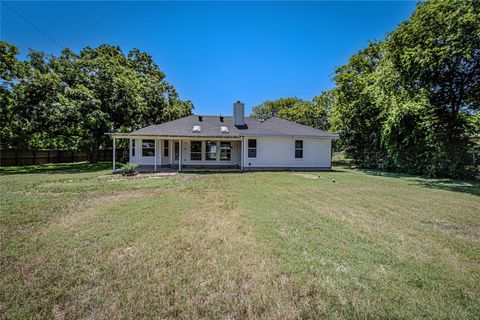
x: 16, y: 156
x: 34, y: 153
x: 48, y: 155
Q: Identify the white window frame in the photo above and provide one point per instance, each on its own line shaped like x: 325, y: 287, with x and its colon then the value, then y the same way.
x: 143, y: 148
x: 298, y: 149
x: 252, y: 148
x: 196, y: 152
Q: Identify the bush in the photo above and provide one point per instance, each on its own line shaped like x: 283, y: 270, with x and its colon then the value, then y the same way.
x: 129, y: 169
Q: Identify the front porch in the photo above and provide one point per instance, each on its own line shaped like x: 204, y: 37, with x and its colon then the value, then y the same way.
x: 167, y: 154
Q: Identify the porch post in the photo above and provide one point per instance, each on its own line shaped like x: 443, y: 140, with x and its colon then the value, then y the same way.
x: 179, y: 154
x: 113, y: 154
x: 241, y: 154
x: 171, y: 150
x: 155, y: 155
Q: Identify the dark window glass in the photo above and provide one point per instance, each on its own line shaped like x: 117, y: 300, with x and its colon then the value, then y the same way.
x: 177, y: 150
x: 211, y: 151
x: 165, y: 148
x: 196, y: 150
x: 298, y: 149
x: 148, y: 148
x: 252, y: 148
x: 133, y: 148
x: 225, y: 151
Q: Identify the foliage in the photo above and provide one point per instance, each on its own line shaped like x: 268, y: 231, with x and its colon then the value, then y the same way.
x: 72, y: 100
x: 356, y: 114
x: 438, y: 50
x: 314, y: 113
x: 129, y: 168
x: 410, y: 102
x: 407, y: 103
x: 271, y: 108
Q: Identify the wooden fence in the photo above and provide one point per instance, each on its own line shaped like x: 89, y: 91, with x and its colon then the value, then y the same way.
x: 14, y: 157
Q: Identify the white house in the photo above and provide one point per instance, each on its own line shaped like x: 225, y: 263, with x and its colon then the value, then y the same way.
x: 235, y: 142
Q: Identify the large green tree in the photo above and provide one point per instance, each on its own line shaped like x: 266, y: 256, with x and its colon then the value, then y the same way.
x: 356, y: 114
x: 313, y: 113
x: 271, y: 108
x: 72, y: 100
x: 435, y: 88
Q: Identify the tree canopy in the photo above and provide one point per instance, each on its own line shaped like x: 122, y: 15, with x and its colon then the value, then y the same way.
x: 72, y: 100
x: 409, y: 102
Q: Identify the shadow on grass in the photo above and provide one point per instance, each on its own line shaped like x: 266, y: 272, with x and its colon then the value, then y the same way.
x: 56, y: 168
x: 464, y: 186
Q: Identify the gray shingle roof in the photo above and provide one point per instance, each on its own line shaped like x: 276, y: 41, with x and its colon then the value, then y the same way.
x: 210, y: 127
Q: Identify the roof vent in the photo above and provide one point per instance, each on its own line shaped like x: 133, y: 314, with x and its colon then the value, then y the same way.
x: 197, y: 129
x: 200, y: 118
x: 221, y: 118
x: 223, y: 129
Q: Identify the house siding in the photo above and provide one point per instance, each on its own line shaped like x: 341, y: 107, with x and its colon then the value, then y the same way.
x: 280, y: 153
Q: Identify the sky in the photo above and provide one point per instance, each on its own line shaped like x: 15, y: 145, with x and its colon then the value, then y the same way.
x: 215, y: 53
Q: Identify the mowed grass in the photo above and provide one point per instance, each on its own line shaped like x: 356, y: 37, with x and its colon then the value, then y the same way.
x: 77, y: 242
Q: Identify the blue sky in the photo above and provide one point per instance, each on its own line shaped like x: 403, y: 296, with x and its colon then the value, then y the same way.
x: 216, y: 52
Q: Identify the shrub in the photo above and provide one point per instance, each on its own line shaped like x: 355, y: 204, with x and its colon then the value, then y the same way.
x: 129, y: 169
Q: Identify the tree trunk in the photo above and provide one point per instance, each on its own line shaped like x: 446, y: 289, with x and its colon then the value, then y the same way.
x: 94, y: 151
x: 93, y: 155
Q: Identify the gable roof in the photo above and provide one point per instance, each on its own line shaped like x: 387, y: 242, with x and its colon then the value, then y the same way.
x: 210, y: 127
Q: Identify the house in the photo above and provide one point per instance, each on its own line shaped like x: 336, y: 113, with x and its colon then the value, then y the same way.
x: 229, y: 142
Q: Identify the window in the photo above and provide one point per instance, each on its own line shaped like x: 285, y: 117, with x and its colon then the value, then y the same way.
x: 197, y: 129
x: 196, y: 150
x: 298, y: 149
x: 223, y: 129
x: 252, y: 148
x: 133, y: 147
x: 211, y: 151
x: 165, y: 148
x: 177, y: 150
x: 225, y: 151
x: 148, y: 148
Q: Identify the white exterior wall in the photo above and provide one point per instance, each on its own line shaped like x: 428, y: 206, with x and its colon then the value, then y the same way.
x: 280, y: 153
x: 271, y: 153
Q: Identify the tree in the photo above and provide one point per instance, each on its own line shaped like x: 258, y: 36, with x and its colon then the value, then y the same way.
x: 435, y: 54
x: 438, y: 50
x: 72, y: 100
x: 269, y: 108
x: 311, y: 113
x: 10, y: 69
x: 356, y: 115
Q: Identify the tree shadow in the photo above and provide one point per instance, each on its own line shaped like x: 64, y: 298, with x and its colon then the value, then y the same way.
x: 464, y: 186
x: 56, y: 168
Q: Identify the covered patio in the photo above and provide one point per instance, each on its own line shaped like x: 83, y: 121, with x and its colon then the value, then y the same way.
x: 156, y: 153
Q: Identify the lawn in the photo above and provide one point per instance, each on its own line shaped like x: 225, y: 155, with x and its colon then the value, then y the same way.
x: 77, y: 242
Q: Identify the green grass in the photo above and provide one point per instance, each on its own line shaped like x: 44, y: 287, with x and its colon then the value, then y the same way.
x: 77, y: 242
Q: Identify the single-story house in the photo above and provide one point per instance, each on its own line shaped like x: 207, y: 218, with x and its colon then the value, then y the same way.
x: 229, y: 142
